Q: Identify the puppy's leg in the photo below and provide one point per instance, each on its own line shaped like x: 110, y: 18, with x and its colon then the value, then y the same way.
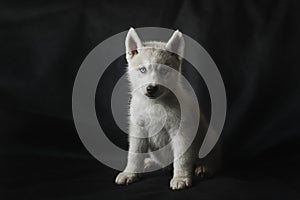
x: 135, y: 162
x: 183, y: 166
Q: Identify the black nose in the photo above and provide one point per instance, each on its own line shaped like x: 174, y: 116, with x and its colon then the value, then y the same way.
x: 151, y: 90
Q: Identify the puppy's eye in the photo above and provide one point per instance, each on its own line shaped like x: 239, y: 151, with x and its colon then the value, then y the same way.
x: 142, y: 69
x: 163, y: 71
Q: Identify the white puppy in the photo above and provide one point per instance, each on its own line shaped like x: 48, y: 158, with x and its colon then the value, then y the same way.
x: 156, y: 116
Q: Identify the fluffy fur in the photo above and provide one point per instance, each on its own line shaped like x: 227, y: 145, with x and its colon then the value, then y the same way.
x: 154, y: 119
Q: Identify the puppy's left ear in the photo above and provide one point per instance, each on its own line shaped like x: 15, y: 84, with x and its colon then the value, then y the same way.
x: 176, y: 43
x: 133, y: 43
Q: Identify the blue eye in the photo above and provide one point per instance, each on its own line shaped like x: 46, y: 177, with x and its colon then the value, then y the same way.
x: 143, y: 69
x: 163, y: 71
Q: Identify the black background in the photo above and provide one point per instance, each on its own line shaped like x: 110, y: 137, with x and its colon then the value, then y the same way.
x: 255, y: 45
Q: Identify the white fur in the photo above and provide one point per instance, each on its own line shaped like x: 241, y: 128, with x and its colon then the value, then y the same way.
x: 146, y: 117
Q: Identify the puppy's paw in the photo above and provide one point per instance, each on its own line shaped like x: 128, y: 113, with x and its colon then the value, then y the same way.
x: 179, y: 183
x: 150, y: 164
x: 204, y: 171
x: 125, y: 178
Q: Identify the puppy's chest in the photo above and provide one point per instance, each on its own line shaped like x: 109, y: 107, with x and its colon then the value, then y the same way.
x: 158, y: 121
x: 155, y: 117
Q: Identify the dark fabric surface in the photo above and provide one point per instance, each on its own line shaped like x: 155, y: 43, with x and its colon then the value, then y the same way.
x: 255, y: 45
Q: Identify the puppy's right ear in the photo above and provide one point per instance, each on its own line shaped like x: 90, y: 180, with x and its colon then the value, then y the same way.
x: 133, y: 43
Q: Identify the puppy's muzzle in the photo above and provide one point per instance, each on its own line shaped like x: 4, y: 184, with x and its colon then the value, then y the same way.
x: 152, y: 91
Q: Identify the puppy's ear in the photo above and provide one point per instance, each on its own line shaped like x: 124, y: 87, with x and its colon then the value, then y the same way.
x: 133, y: 43
x: 176, y: 43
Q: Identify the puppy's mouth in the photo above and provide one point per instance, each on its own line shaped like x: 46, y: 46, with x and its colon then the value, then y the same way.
x: 150, y: 96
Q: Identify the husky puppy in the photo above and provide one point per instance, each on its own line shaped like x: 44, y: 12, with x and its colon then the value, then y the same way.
x: 155, y: 114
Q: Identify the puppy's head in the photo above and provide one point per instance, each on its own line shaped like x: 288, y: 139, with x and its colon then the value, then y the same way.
x: 151, y: 65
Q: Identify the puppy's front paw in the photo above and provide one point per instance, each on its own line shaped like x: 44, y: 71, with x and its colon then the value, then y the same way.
x: 125, y: 178
x: 178, y: 183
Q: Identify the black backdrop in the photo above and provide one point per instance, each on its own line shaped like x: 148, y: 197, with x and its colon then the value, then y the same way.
x: 42, y: 44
